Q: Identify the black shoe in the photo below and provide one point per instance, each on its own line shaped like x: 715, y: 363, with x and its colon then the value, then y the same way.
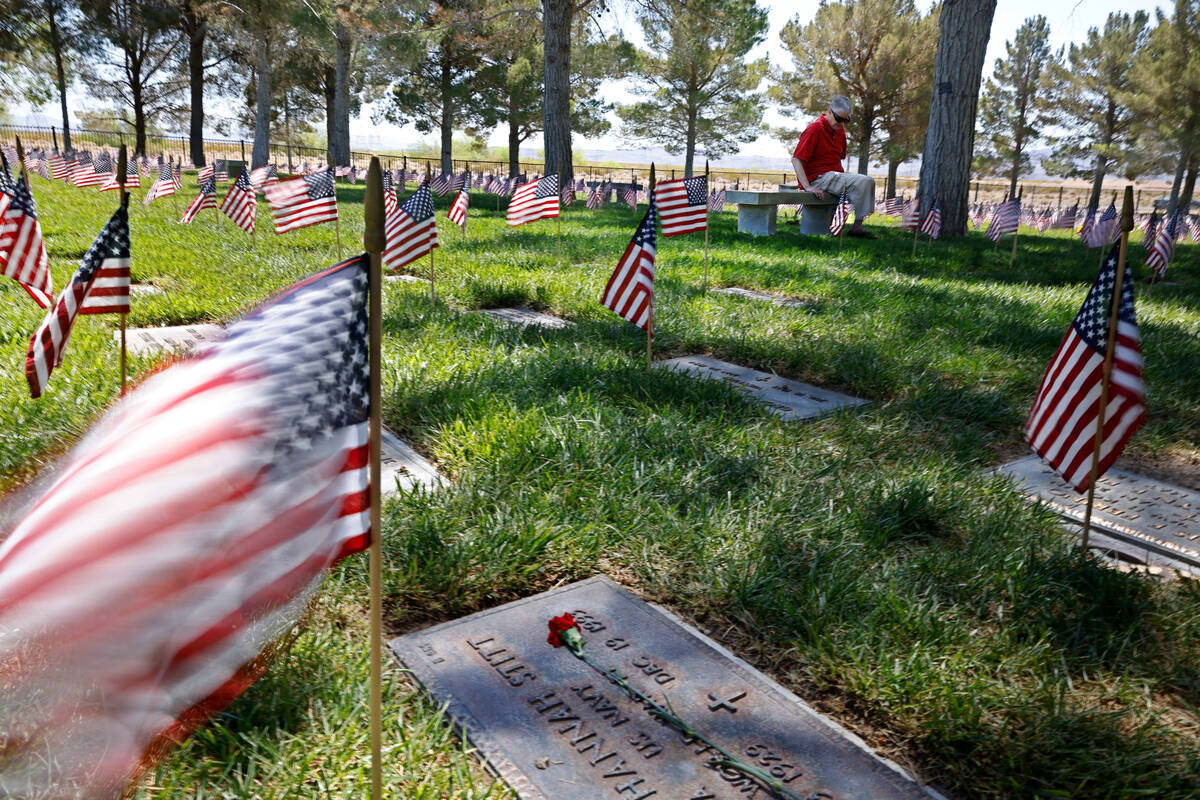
x: 860, y: 234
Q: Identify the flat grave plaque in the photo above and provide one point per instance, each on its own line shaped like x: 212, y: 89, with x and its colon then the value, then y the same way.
x: 182, y: 338
x: 144, y: 289
x: 554, y: 729
x: 787, y: 302
x: 402, y: 468
x: 406, y: 279
x: 791, y: 400
x: 527, y: 316
x: 1151, y: 514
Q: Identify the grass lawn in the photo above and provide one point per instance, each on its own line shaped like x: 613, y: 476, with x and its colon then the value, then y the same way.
x: 864, y: 560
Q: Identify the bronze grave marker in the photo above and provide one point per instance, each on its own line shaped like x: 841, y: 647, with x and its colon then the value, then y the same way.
x: 555, y: 729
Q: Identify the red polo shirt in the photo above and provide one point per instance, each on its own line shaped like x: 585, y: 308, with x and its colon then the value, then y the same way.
x: 821, y: 148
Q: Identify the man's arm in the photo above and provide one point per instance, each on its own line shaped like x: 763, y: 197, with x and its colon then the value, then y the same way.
x: 803, y: 179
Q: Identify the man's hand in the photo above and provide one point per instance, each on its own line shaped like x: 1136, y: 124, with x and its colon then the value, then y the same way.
x: 817, y: 193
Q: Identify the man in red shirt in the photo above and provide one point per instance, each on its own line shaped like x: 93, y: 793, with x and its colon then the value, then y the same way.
x: 817, y: 161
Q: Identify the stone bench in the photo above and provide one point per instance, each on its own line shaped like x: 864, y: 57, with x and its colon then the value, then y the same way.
x: 757, y: 211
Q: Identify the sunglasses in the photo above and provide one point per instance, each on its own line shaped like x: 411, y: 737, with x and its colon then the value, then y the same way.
x: 838, y: 117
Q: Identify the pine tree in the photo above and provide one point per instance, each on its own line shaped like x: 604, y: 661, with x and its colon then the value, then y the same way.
x: 1087, y: 94
x: 1012, y: 110
x: 699, y: 89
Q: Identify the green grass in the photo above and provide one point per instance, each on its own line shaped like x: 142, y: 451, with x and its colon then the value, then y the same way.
x: 864, y: 559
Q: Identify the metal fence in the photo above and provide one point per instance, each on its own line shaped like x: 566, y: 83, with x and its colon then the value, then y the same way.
x: 292, y: 157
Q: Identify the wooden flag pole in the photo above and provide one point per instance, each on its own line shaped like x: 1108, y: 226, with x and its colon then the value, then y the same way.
x: 917, y: 227
x: 1017, y: 232
x: 706, y: 214
x: 1118, y: 285
x: 650, y: 321
x: 122, y: 166
x: 373, y: 242
x: 175, y: 194
x: 21, y: 166
x: 432, y: 274
x: 558, y: 233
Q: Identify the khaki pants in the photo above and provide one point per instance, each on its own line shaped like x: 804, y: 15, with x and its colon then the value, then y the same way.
x: 861, y: 189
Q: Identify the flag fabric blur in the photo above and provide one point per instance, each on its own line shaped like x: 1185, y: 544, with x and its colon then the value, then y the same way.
x: 841, y: 213
x: 302, y: 201
x: 390, y: 203
x: 533, y: 201
x: 716, y: 201
x: 264, y: 176
x: 1163, y: 246
x: 630, y: 290
x: 183, y: 538
x: 629, y: 196
x: 204, y: 173
x: 110, y: 249
x: 1066, y: 218
x: 177, y: 177
x: 162, y: 187
x: 22, y: 250
x: 58, y: 166
x: 932, y: 226
x: 207, y: 198
x: 8, y: 187
x: 103, y: 167
x: 240, y: 203
x: 1005, y: 219
x: 593, y: 198
x: 412, y: 231
x: 1101, y: 233
x: 682, y: 205
x: 221, y: 170
x: 1061, y: 427
x: 568, y: 195
x: 910, y: 214
x: 85, y: 174
x: 1089, y: 221
x: 458, y: 211
x: 440, y: 185
x: 893, y: 206
x: 132, y: 181
x: 458, y: 181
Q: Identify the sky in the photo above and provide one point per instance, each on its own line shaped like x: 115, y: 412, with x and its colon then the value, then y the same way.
x: 1069, y: 22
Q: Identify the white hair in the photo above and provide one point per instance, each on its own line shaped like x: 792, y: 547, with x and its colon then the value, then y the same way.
x: 840, y: 105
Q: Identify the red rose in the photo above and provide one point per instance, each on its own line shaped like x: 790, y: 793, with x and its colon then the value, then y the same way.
x: 559, y: 627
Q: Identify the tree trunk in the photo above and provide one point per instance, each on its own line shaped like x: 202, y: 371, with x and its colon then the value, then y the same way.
x: 57, y: 46
x: 330, y: 115
x: 139, y: 116
x: 1189, y: 187
x: 964, y: 27
x: 339, y: 145
x: 864, y: 142
x: 691, y: 142
x: 556, y: 29
x: 447, y: 121
x: 1098, y: 181
x: 890, y: 188
x: 261, y: 153
x: 196, y: 30
x: 1185, y: 155
x: 514, y: 137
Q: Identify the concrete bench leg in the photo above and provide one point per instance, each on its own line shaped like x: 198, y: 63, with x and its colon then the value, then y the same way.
x: 816, y: 219
x: 757, y: 220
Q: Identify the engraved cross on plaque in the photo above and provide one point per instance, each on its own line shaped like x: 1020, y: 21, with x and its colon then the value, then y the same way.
x: 726, y: 703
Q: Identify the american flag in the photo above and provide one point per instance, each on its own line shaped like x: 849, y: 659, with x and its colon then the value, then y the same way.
x: 264, y: 176
x: 1061, y: 427
x: 716, y: 201
x: 910, y: 215
x: 1066, y: 219
x: 1044, y: 220
x: 302, y: 201
x: 22, y: 251
x: 534, y: 200
x: 892, y: 206
x: 580, y: 185
x: 184, y: 537
x: 390, y: 203
x: 630, y: 290
x: 162, y: 187
x: 440, y: 185
x: 43, y: 167
x: 85, y: 174
x: 506, y: 189
x: 1005, y: 219
x: 177, y: 178
x: 204, y: 173
x: 132, y: 181
x: 458, y: 181
x: 341, y: 172
x: 477, y: 183
x: 221, y: 170
x: 352, y: 175
x: 58, y: 167
x: 458, y: 211
x: 1085, y: 227
x: 103, y: 167
x: 240, y: 203
x: 111, y: 248
x: 568, y: 195
x: 8, y: 188
x: 207, y: 198
x: 1163, y: 246
x: 593, y: 198
x: 629, y: 196
x: 932, y: 226
x: 1101, y: 233
x: 979, y: 215
x: 412, y: 231
x: 841, y: 213
x: 109, y: 291
x: 492, y: 185
x: 682, y: 205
